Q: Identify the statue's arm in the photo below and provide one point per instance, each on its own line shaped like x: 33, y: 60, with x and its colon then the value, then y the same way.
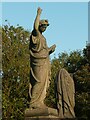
x: 35, y: 31
x: 52, y: 49
x: 36, y: 22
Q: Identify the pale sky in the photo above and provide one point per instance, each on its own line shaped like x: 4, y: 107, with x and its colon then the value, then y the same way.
x: 44, y: 0
x: 68, y: 21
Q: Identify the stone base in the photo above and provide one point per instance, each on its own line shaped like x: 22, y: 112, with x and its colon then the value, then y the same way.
x: 44, y: 114
x: 38, y: 114
x: 42, y: 118
x: 49, y: 118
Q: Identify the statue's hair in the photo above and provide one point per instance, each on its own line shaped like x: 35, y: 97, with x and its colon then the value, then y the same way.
x: 44, y: 22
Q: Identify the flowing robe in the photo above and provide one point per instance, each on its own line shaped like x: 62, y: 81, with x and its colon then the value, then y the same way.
x: 65, y: 94
x: 39, y: 70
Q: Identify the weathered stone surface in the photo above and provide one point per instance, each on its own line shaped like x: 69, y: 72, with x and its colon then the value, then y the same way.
x: 39, y: 63
x: 49, y: 118
x: 41, y: 112
x: 65, y: 94
x: 40, y: 73
x: 43, y: 118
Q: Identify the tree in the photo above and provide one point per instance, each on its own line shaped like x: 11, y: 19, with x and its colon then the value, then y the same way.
x: 16, y: 67
x: 77, y: 64
x: 15, y: 54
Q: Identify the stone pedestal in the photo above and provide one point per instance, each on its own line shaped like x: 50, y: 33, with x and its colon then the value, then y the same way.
x: 41, y: 114
x: 42, y: 118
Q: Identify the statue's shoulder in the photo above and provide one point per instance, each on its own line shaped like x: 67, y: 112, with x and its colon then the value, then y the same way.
x: 35, y: 33
x: 34, y: 37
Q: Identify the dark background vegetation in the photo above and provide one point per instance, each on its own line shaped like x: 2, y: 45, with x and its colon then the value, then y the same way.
x: 15, y: 78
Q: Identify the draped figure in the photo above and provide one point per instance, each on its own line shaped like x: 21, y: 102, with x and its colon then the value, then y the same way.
x: 39, y: 63
x: 40, y: 73
x: 65, y: 93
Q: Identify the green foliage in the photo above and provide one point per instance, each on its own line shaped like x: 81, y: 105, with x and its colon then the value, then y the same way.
x: 15, y: 81
x: 77, y: 64
x: 16, y: 67
x: 82, y: 85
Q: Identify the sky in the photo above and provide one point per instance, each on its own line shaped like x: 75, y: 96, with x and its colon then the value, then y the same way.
x: 44, y: 0
x: 68, y: 22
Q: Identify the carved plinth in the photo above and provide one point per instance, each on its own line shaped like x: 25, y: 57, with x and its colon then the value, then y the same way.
x: 42, y: 118
x: 38, y: 114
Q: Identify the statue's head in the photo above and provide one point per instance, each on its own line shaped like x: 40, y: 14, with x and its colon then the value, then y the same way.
x: 43, y: 25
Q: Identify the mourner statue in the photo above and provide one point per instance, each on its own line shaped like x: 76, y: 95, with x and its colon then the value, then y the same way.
x: 39, y: 62
x: 40, y: 73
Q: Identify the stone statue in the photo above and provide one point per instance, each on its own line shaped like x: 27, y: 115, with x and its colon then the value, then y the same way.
x: 65, y: 93
x: 40, y: 76
x: 39, y: 62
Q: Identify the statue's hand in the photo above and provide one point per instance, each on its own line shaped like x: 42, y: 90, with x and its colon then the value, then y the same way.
x: 39, y: 10
x: 53, y: 48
